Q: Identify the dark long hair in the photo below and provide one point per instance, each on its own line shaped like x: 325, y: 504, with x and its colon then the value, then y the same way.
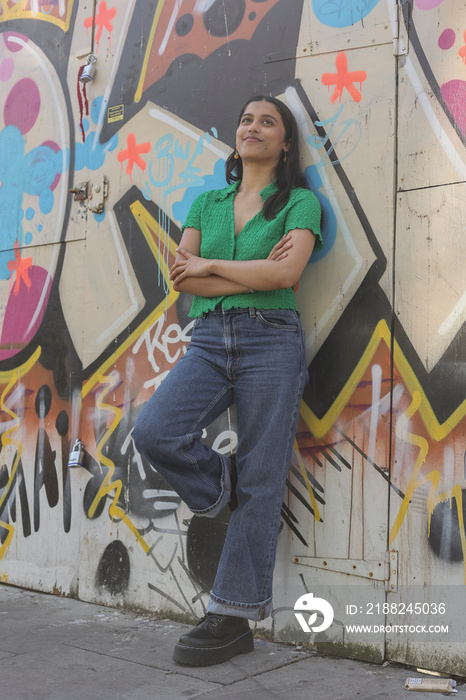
x: 288, y: 174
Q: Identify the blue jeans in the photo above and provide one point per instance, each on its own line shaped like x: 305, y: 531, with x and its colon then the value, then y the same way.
x: 255, y: 359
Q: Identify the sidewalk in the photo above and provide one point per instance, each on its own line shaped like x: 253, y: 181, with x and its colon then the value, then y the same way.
x: 55, y: 648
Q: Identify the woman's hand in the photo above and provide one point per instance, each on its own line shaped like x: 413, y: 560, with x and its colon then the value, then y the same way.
x: 189, y: 265
x: 279, y: 251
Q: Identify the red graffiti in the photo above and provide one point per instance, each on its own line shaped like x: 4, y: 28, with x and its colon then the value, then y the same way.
x: 132, y: 154
x: 344, y: 79
x: 103, y: 19
x: 21, y: 265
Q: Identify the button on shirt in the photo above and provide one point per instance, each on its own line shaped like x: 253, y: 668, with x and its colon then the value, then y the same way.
x: 212, y: 214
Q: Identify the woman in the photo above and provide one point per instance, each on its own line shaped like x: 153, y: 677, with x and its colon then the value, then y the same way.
x: 241, y: 254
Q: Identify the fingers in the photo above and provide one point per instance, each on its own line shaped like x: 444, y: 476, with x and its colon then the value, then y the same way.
x: 176, y: 278
x: 184, y: 252
x: 278, y: 252
x: 176, y: 270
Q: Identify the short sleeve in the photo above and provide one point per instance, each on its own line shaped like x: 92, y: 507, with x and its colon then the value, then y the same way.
x: 305, y: 212
x: 194, y: 217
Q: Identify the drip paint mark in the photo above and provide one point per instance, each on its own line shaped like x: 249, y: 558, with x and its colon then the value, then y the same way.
x: 344, y: 79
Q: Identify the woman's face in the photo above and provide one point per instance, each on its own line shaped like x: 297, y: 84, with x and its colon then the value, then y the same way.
x: 260, y: 136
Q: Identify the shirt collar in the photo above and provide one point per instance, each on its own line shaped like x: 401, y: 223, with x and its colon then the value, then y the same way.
x: 267, y: 191
x: 231, y: 189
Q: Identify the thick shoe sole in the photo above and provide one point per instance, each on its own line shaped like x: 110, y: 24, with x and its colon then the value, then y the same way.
x: 209, y: 656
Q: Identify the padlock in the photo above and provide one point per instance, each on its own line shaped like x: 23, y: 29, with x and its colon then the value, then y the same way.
x: 77, y: 454
x: 88, y: 72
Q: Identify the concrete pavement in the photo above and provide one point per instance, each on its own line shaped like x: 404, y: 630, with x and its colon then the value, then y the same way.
x: 54, y: 648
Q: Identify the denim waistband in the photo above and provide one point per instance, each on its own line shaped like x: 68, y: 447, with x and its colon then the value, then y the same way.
x: 250, y: 310
x: 218, y: 311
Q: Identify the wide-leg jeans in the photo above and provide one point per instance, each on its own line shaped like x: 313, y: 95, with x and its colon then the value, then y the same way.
x: 255, y: 359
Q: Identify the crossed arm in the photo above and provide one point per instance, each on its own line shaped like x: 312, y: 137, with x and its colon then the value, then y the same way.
x: 211, y: 277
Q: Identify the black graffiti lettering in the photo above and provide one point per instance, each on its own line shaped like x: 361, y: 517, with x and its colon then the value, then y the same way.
x: 8, y: 512
x: 45, y: 475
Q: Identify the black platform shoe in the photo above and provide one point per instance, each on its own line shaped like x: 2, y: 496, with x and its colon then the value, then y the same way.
x: 216, y: 638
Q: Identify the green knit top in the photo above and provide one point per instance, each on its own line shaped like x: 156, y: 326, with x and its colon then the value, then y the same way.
x: 212, y: 214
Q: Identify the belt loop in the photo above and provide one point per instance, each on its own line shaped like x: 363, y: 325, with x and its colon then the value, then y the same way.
x: 252, y: 312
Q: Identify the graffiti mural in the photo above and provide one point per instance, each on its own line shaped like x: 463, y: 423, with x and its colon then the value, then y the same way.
x: 94, y: 186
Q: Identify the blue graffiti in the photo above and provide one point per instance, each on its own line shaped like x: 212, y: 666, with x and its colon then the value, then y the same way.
x: 329, y: 220
x: 91, y: 154
x: 341, y: 13
x: 329, y: 157
x: 215, y: 181
x: 32, y: 173
x: 161, y: 169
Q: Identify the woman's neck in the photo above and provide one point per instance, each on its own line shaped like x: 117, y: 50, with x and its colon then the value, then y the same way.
x: 255, y: 179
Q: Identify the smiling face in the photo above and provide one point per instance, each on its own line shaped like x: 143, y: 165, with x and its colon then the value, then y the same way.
x: 261, y: 135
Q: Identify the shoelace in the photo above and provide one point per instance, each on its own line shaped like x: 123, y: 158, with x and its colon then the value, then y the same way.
x: 211, y: 618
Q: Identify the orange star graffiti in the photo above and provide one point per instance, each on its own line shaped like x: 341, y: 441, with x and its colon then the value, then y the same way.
x: 103, y: 19
x: 462, y: 51
x: 132, y: 154
x: 344, y: 79
x: 21, y: 265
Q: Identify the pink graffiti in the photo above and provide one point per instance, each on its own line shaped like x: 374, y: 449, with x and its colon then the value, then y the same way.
x: 22, y: 105
x: 6, y: 69
x: 446, y: 39
x: 427, y: 4
x: 55, y: 148
x: 454, y: 96
x: 13, y: 46
x: 21, y: 309
x: 344, y: 79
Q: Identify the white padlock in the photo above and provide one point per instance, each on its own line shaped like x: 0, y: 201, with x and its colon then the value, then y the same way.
x: 77, y: 454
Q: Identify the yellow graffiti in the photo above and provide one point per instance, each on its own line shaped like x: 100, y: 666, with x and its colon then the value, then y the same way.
x: 7, y: 440
x: 437, y: 431
x: 142, y: 78
x: 146, y: 223
x: 22, y: 369
x: 423, y: 445
x: 307, y: 482
x: 10, y: 378
x: 417, y: 480
x: 35, y: 9
x: 108, y: 485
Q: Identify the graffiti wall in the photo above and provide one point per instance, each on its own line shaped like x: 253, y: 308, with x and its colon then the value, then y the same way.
x: 96, y: 179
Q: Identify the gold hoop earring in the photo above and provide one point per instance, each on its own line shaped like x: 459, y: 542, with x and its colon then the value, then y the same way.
x: 236, y: 154
x: 284, y: 158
